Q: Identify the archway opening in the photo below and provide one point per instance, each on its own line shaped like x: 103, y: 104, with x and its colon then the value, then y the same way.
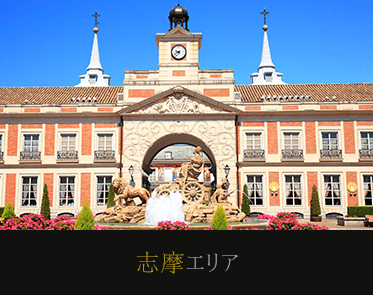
x: 163, y: 159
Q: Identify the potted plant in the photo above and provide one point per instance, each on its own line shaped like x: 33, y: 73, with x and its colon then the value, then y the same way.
x: 315, y: 205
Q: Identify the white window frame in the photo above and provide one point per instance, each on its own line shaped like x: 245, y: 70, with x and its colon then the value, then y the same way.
x: 75, y: 197
x: 291, y: 144
x: 69, y: 134
x: 339, y: 139
x: 341, y: 191
x: 37, y: 191
x: 370, y: 139
x: 264, y: 190
x: 254, y: 132
x: 97, y: 191
x: 98, y: 134
x: 366, y: 186
x: 301, y: 189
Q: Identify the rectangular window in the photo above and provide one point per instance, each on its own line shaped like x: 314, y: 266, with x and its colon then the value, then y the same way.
x: 68, y: 142
x: 291, y: 141
x: 253, y: 141
x: 167, y: 174
x: 103, y: 183
x: 168, y: 155
x: 367, y: 140
x: 293, y: 186
x: 31, y: 143
x: 29, y: 191
x: 1, y: 142
x: 105, y: 142
x: 330, y: 140
x: 332, y: 187
x: 255, y: 189
x: 368, y: 190
x: 67, y: 191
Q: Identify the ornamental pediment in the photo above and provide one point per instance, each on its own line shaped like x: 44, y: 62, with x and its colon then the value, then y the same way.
x: 179, y: 100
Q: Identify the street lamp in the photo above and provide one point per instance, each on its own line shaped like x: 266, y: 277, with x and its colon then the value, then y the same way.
x: 226, y: 170
x: 131, y: 170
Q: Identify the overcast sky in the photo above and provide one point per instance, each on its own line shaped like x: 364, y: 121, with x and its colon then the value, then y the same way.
x: 48, y: 43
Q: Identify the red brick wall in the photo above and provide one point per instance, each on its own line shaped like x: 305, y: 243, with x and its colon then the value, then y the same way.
x: 291, y: 124
x: 349, y: 135
x: 31, y: 126
x: 311, y: 180
x: 366, y: 107
x: 352, y: 200
x: 272, y: 138
x: 10, y: 189
x: 364, y: 123
x: 67, y: 126
x: 50, y: 130
x: 290, y: 108
x: 105, y: 109
x: 273, y: 199
x: 86, y: 139
x: 216, y: 92
x: 140, y: 93
x: 310, y: 138
x: 48, y: 180
x: 12, y: 139
x: 32, y: 110
x: 330, y: 123
x: 85, y: 188
x: 105, y: 125
x: 333, y: 107
x: 253, y: 108
x: 253, y: 124
x: 69, y: 110
x: 178, y: 73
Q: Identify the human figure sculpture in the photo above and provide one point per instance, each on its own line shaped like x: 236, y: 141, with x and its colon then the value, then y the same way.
x: 194, y: 168
x: 221, y: 194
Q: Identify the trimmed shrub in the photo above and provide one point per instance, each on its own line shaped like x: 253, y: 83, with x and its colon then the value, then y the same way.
x: 219, y: 220
x: 359, y: 211
x: 8, y: 212
x: 111, y: 196
x: 315, y: 202
x: 245, y: 206
x: 45, y: 206
x: 85, y: 219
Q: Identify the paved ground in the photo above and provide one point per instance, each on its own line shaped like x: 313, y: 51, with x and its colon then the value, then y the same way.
x: 332, y: 225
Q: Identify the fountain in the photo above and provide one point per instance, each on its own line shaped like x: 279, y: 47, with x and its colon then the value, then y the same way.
x: 185, y: 199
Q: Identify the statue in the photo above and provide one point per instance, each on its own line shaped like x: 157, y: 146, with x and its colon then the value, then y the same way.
x: 192, y: 169
x: 221, y: 194
x: 124, y: 191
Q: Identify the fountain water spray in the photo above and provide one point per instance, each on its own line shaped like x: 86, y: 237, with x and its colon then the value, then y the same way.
x: 164, y: 208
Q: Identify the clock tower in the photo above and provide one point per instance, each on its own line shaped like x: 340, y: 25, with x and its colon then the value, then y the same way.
x: 178, y: 64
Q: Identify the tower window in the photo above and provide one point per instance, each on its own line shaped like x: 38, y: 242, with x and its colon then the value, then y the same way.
x: 92, y: 79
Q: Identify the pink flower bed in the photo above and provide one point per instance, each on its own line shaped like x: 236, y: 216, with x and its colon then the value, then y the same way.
x: 38, y: 222
x: 168, y: 225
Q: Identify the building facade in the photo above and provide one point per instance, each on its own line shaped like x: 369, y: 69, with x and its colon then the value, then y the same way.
x: 277, y: 138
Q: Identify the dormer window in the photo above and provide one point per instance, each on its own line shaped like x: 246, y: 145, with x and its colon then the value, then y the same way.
x: 268, y: 77
x: 92, y: 79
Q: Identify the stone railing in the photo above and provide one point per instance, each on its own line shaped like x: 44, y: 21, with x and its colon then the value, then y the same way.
x: 253, y: 155
x: 292, y: 154
x: 104, y: 155
x: 366, y: 154
x: 30, y: 156
x: 67, y: 155
x: 330, y: 154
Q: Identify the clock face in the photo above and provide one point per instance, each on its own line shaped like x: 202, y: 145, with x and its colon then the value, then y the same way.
x: 178, y: 52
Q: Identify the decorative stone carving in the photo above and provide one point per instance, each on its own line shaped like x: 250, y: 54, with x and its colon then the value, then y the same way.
x: 179, y: 104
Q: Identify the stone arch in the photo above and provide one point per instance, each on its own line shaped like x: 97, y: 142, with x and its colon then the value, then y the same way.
x: 172, y: 139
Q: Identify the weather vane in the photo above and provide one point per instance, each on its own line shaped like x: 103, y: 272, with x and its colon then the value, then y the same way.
x: 96, y: 15
x: 265, y: 16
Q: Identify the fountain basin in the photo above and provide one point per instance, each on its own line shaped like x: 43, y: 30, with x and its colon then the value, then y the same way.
x: 260, y: 224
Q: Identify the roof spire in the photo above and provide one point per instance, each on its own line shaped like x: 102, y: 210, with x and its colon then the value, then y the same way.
x: 266, y: 74
x: 94, y: 75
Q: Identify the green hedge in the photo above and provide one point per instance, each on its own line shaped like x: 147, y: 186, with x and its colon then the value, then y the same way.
x: 359, y: 211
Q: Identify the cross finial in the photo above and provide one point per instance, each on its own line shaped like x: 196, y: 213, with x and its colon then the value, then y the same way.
x: 265, y: 15
x: 96, y: 15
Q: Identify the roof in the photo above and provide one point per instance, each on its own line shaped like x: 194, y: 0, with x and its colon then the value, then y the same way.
x: 306, y: 92
x: 57, y: 95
